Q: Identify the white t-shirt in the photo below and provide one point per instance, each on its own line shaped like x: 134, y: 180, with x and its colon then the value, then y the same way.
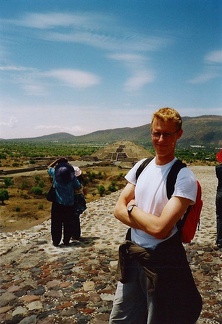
x: 151, y: 194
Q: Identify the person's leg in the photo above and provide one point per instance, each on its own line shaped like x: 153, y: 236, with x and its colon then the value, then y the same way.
x: 56, y: 224
x: 151, y: 319
x: 67, y: 224
x: 130, y: 304
x: 219, y: 218
x: 76, y: 233
x: 176, y: 298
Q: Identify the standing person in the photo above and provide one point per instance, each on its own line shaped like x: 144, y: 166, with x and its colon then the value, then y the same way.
x: 218, y: 170
x: 80, y: 204
x: 156, y: 284
x: 64, y: 182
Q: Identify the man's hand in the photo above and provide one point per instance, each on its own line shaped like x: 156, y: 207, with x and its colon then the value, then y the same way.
x: 131, y: 202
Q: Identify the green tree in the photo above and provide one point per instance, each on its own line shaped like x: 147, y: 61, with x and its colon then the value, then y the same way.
x: 120, y: 176
x: 8, y: 182
x: 91, y: 176
x: 41, y: 184
x: 37, y: 179
x: 32, y: 162
x: 101, y: 190
x: 4, y: 195
x: 37, y: 190
x: 112, y: 186
x: 24, y: 185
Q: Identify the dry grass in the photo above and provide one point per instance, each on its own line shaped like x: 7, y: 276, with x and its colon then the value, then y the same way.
x: 24, y: 210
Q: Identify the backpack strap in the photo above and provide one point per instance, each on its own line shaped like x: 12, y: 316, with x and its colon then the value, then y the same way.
x: 142, y: 167
x: 172, y: 176
x: 171, y: 180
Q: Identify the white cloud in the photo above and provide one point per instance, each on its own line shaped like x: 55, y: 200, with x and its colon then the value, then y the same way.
x: 129, y: 58
x: 32, y: 88
x: 136, y: 64
x: 207, y: 75
x: 60, y: 128
x: 214, y: 57
x: 108, y: 41
x: 138, y: 80
x: 212, y: 68
x: 50, y: 20
x: 57, y: 19
x: 74, y: 78
x: 11, y: 123
x: 95, y: 30
x: 14, y: 68
x: 28, y: 79
x: 36, y: 83
x: 92, y: 29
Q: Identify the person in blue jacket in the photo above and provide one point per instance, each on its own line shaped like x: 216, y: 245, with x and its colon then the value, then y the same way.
x: 65, y: 183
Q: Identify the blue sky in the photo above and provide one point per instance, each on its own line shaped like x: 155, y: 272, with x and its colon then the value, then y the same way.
x: 79, y: 66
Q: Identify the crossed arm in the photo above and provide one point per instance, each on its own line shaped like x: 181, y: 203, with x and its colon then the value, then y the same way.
x: 158, y: 227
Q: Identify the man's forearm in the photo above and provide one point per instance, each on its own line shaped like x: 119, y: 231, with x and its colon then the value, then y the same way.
x: 122, y: 215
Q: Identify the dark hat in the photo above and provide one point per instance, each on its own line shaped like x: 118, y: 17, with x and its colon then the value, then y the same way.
x: 219, y: 156
x: 64, y: 173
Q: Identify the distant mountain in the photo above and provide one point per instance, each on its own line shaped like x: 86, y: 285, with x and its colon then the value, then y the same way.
x: 201, y: 130
x: 204, y: 130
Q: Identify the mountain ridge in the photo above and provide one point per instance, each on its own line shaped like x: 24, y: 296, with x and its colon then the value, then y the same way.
x: 200, y: 130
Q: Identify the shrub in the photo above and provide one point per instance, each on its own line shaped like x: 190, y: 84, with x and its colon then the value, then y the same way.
x: 24, y: 185
x: 41, y: 184
x: 32, y: 162
x: 101, y: 190
x: 99, y: 175
x: 112, y: 186
x: 37, y: 179
x: 3, y: 156
x: 91, y: 176
x: 8, y: 182
x: 24, y: 195
x: 15, y: 164
x: 37, y: 190
x: 120, y: 176
x: 4, y: 195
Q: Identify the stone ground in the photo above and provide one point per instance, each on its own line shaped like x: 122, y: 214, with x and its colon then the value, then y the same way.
x: 44, y: 284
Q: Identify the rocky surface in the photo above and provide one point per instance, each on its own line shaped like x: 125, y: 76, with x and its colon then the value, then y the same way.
x: 43, y: 284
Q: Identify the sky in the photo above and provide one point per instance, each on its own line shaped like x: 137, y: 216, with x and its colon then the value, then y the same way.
x: 80, y: 66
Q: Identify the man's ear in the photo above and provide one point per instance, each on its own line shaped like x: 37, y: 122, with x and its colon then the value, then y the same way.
x: 179, y: 133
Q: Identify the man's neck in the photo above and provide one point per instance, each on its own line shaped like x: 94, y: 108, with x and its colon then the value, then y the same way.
x: 162, y: 160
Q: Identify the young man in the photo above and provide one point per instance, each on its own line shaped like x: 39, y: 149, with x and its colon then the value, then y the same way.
x: 159, y: 287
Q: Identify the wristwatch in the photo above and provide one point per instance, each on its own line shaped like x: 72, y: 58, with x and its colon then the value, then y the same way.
x: 130, y: 208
